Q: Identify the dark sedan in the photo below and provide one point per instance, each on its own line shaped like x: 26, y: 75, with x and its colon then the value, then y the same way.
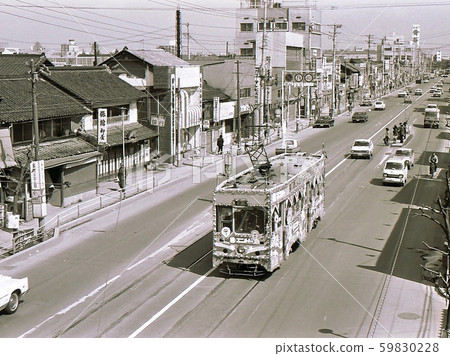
x: 324, y: 121
x: 360, y: 116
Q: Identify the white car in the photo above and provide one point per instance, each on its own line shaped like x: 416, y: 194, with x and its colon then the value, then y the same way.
x: 379, y: 105
x: 407, y: 154
x: 402, y: 93
x: 11, y: 290
x: 395, y: 171
x: 418, y: 91
x: 362, y: 148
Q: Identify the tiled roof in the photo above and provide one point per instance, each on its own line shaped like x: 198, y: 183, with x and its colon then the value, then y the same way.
x: 16, y: 103
x: 133, y: 132
x: 68, y: 148
x: 95, y: 86
x: 154, y: 57
x: 18, y: 65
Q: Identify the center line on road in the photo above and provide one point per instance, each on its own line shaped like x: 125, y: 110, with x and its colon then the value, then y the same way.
x: 168, y: 306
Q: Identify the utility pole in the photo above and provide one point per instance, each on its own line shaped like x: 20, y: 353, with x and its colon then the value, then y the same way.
x: 179, y: 31
x: 95, y: 54
x: 238, y: 106
x: 34, y: 78
x: 369, y: 66
x: 333, y: 71
x: 262, y: 73
x: 187, y: 40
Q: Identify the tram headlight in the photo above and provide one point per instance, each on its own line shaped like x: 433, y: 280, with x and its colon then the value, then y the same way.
x: 241, y: 249
x: 226, y: 231
x: 232, y: 240
x: 255, y: 236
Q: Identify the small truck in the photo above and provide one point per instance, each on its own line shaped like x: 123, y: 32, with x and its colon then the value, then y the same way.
x: 11, y: 290
x: 431, y: 118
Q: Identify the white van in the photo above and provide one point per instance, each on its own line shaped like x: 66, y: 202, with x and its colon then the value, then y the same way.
x: 395, y: 171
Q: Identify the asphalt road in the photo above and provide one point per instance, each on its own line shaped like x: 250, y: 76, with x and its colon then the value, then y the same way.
x: 143, y: 269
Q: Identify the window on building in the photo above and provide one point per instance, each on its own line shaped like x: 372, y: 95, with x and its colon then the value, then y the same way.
x: 246, y: 27
x: 248, y: 52
x: 61, y: 127
x: 298, y: 26
x: 45, y: 129
x: 245, y: 92
x: 269, y: 25
x: 280, y: 26
x: 23, y: 131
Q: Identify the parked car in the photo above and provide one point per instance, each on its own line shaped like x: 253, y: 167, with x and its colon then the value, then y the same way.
x: 360, y: 116
x: 362, y: 148
x: 395, y: 171
x: 407, y: 154
x: 437, y: 94
x: 324, y: 121
x: 401, y: 93
x: 379, y: 105
x: 418, y: 91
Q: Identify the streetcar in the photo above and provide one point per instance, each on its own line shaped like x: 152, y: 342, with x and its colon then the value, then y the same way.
x: 259, y: 215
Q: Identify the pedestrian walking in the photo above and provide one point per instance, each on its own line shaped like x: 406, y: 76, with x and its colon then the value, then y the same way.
x: 122, y: 176
x: 395, y: 132
x: 220, y: 144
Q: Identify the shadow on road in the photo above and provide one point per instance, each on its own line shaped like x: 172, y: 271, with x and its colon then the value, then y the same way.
x: 411, y: 231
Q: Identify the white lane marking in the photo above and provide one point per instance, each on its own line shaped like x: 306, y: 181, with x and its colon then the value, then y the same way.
x: 371, y: 137
x: 385, y: 158
x: 336, y: 166
x: 382, y: 127
x: 168, y: 306
x: 65, y: 310
x: 190, y: 229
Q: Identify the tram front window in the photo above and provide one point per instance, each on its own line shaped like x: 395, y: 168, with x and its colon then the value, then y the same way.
x: 224, y: 218
x: 248, y: 219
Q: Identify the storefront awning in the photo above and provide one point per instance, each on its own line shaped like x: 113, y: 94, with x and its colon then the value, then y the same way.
x: 6, y: 151
x: 194, y: 113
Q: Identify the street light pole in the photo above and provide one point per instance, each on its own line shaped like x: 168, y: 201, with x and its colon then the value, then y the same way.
x: 122, y: 110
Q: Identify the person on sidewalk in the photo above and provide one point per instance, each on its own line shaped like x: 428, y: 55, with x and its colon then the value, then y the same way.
x: 122, y: 176
x: 220, y: 144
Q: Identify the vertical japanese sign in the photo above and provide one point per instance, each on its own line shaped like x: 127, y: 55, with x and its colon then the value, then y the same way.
x: 216, y: 109
x: 37, y: 176
x: 102, y: 125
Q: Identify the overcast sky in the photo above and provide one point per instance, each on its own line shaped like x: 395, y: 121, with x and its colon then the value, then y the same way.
x: 140, y: 24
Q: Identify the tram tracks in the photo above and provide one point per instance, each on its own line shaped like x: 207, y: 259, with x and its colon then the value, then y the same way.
x: 121, y: 294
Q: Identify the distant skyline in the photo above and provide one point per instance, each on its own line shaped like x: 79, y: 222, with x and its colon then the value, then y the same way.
x: 145, y: 24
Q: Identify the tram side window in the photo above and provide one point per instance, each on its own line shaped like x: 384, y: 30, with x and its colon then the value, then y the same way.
x: 248, y: 219
x: 224, y: 218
